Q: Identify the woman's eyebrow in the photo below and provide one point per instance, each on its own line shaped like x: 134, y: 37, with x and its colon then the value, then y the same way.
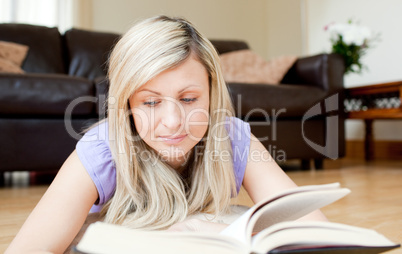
x: 187, y: 87
x: 147, y: 90
x: 180, y: 91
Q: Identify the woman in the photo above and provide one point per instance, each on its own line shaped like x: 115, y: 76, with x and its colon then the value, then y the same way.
x: 169, y: 148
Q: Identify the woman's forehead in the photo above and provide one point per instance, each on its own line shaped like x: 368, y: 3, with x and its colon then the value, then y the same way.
x: 191, y: 74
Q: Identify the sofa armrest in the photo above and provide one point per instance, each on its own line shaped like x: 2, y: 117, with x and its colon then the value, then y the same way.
x: 324, y: 71
x: 226, y: 46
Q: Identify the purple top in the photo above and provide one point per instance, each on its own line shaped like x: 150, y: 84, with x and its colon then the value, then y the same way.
x: 94, y: 153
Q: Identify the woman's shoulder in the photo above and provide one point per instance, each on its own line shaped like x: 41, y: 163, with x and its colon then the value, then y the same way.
x: 94, y: 153
x: 94, y: 144
x: 97, y: 132
x: 238, y: 130
x: 240, y: 136
x: 95, y: 141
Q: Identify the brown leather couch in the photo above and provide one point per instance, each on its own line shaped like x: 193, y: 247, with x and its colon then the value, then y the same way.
x: 63, y: 67
x: 59, y: 69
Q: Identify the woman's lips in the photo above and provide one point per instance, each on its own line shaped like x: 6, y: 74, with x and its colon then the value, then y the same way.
x: 173, y: 139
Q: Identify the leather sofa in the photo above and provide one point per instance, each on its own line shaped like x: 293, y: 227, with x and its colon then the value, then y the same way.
x: 59, y: 68
x: 66, y: 73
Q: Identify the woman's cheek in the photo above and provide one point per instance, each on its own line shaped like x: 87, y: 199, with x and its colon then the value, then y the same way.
x: 197, y: 123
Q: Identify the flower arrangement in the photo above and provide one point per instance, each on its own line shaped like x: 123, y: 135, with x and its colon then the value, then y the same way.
x: 351, y: 41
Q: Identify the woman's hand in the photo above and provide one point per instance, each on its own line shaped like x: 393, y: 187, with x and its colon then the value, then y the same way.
x: 198, y: 225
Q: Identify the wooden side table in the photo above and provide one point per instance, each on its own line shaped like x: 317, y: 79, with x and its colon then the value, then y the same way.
x: 372, y: 102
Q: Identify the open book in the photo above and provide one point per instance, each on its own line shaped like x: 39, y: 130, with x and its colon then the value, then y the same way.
x: 267, y: 227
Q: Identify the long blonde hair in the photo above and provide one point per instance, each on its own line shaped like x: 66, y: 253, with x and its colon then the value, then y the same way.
x: 149, y: 193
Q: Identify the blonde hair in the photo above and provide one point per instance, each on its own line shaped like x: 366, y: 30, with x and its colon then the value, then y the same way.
x: 149, y: 193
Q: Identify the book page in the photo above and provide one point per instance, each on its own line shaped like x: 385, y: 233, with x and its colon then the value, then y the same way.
x: 238, y: 228
x: 235, y: 211
x: 306, y: 224
x: 241, y: 230
x: 301, y: 234
x: 103, y: 238
x: 292, y: 207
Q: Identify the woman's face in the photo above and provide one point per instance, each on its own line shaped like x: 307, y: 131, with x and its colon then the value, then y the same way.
x: 171, y: 111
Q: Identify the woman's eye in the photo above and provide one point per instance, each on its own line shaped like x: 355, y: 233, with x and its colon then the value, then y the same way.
x: 151, y: 103
x: 187, y: 100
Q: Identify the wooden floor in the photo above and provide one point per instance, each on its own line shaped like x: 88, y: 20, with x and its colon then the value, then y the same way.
x: 375, y: 201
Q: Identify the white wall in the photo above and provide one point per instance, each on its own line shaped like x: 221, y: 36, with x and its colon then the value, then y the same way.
x: 271, y: 27
x: 223, y: 19
x: 83, y: 14
x: 383, y: 61
x: 284, y: 31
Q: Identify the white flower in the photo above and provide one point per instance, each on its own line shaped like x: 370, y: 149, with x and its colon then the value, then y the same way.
x: 351, y: 33
x: 350, y: 41
x: 355, y: 67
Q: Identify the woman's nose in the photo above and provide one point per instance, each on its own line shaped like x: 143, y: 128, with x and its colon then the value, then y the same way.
x: 172, y: 114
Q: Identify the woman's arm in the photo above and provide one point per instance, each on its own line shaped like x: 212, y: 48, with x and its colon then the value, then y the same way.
x: 264, y: 177
x: 60, y: 213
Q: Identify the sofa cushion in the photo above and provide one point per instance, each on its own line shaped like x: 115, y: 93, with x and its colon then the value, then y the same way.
x: 245, y: 66
x: 11, y: 57
x: 43, y: 95
x: 7, y: 66
x: 88, y: 52
x: 13, y: 52
x: 45, y: 53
